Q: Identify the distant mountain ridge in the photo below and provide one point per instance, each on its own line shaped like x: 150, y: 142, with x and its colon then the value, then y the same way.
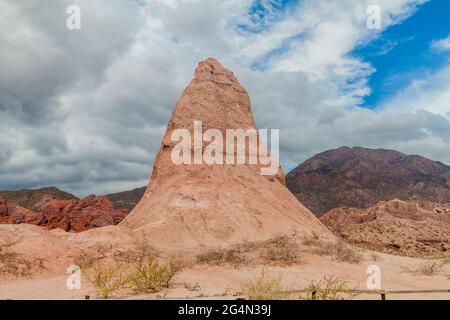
x: 126, y: 200
x: 360, y: 177
x: 29, y: 197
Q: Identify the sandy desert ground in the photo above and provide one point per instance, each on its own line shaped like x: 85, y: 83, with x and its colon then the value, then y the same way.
x: 225, y: 280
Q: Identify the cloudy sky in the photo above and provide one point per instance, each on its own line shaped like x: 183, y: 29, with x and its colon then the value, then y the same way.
x: 85, y: 110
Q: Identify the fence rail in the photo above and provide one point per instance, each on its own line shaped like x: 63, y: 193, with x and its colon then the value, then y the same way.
x: 243, y: 295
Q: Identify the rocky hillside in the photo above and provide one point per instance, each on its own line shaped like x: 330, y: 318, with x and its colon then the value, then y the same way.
x: 359, y: 177
x: 29, y: 197
x: 126, y: 200
x: 411, y: 228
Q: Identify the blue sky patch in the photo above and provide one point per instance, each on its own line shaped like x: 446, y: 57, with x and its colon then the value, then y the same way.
x: 403, y: 52
x: 264, y: 13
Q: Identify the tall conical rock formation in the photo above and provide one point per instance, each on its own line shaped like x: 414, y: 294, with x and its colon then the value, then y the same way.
x: 200, y: 204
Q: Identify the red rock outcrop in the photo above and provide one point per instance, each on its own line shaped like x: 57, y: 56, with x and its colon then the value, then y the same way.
x: 70, y: 215
x: 412, y: 228
x: 200, y: 204
x: 12, y: 213
x: 80, y: 215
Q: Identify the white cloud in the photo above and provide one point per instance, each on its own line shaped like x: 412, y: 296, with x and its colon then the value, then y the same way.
x: 430, y: 93
x: 442, y: 44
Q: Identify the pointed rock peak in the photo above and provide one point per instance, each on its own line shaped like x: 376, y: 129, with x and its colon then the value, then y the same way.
x: 211, y: 70
x: 192, y: 202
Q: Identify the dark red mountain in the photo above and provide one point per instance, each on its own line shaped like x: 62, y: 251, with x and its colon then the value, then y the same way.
x: 360, y: 177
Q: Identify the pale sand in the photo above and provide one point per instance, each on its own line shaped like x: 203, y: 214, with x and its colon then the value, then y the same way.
x: 217, y: 280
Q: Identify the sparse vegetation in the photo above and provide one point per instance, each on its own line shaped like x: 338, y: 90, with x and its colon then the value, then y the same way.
x: 267, y: 286
x: 345, y: 253
x: 338, y: 250
x: 221, y: 256
x: 106, y: 277
x: 139, y: 271
x: 374, y: 257
x: 311, y: 239
x: 329, y: 288
x: 148, y: 275
x: 192, y: 287
x: 263, y: 283
x: 430, y: 269
x: 14, y: 264
x: 280, y: 250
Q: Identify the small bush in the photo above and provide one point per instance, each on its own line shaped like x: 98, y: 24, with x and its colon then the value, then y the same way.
x: 261, y: 283
x: 338, y: 250
x: 374, y: 257
x: 312, y: 239
x: 280, y: 250
x: 430, y: 269
x: 222, y: 256
x: 148, y: 275
x: 139, y: 270
x: 329, y: 288
x: 345, y: 253
x: 106, y: 277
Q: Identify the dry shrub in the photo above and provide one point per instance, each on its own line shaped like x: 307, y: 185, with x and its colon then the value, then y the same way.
x: 220, y: 256
x: 430, y: 269
x: 311, y: 239
x: 106, y: 277
x: 263, y: 283
x: 86, y: 260
x: 266, y: 286
x: 148, y: 275
x: 339, y: 250
x: 374, y: 257
x: 345, y: 253
x: 330, y: 288
x: 13, y: 263
x: 280, y: 250
x: 140, y: 271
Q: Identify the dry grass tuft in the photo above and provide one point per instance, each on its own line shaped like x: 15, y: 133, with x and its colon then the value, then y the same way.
x: 138, y: 271
x: 222, y: 256
x: 281, y: 250
x: 263, y: 283
x: 339, y: 250
x: 330, y: 288
x: 267, y: 286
